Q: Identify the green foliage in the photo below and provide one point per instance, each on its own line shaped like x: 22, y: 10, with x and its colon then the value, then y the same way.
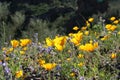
x: 4, y: 10
x: 9, y: 28
x: 18, y: 19
x: 41, y: 28
x: 35, y: 9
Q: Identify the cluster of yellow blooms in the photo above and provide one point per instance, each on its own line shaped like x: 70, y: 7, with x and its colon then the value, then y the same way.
x: 89, y: 47
x: 6, y: 50
x: 114, y: 20
x: 113, y: 26
x: 49, y: 66
x: 14, y: 43
x: 90, y: 20
x: 58, y: 42
x: 76, y: 38
x: 46, y: 66
x: 110, y: 27
x: 22, y: 43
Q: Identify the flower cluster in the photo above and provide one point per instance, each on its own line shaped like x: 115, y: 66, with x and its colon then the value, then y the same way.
x: 110, y: 27
x: 76, y: 38
x: 58, y: 42
x: 49, y: 66
x: 22, y: 42
x: 90, y: 52
x: 89, y: 47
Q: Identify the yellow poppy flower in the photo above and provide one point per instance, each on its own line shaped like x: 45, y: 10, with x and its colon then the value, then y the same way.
x: 14, y: 43
x: 75, y: 28
x: 58, y: 47
x: 72, y: 74
x: 89, y: 47
x: 86, y: 33
x: 59, y: 42
x: 49, y: 42
x: 112, y: 18
x: 95, y: 44
x: 41, y: 62
x: 116, y: 21
x: 108, y: 26
x: 19, y: 74
x: 76, y: 38
x: 49, y: 66
x: 91, y: 19
x: 113, y: 55
x: 113, y: 27
x: 80, y: 64
x: 24, y: 42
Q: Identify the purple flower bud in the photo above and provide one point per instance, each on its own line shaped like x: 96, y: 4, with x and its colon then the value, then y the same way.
x: 81, y: 78
x: 4, y: 64
x: 58, y: 67
x: 48, y: 50
x: 7, y: 70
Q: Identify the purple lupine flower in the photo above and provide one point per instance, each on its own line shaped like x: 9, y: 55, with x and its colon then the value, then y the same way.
x: 81, y: 78
x: 58, y: 67
x: 4, y: 64
x: 7, y: 70
x: 41, y: 48
x: 48, y: 50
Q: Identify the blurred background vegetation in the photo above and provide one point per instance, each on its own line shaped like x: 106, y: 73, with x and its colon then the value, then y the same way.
x: 28, y: 18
